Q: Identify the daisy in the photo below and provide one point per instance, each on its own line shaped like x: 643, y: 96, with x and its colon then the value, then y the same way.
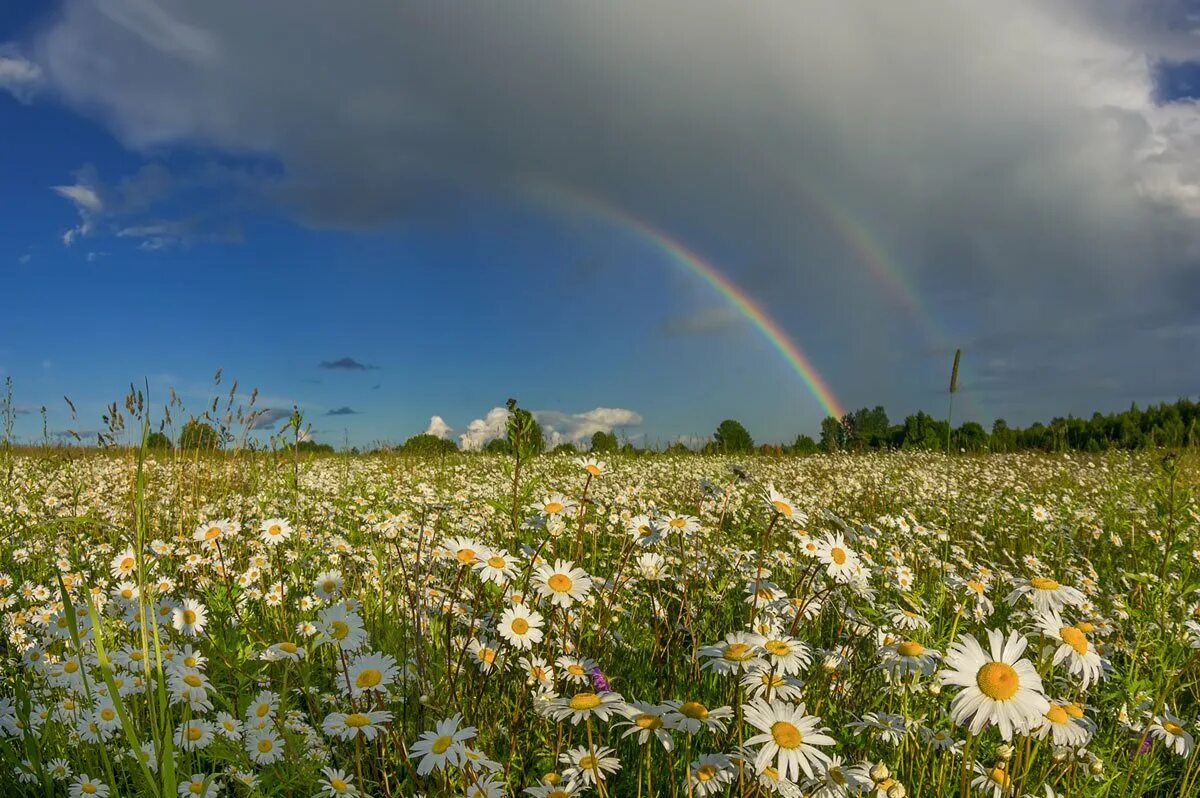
x: 485, y: 655
x: 343, y: 627
x: 789, y: 738
x: 785, y: 653
x: 1046, y: 594
x: 645, y: 720
x: 1082, y: 658
x: 768, y: 683
x: 683, y: 524
x: 371, y: 673
x: 692, y: 716
x: 337, y: 782
x: 444, y: 745
x: 592, y: 466
x: 1062, y: 729
x: 274, y: 531
x: 124, y: 564
x: 552, y: 791
x: 200, y: 785
x: 841, y: 780
x: 779, y: 503
x: 709, y: 775
x: 264, y: 746
x: 840, y: 560
x: 908, y: 656
x: 577, y: 670
x: 537, y: 671
x: 264, y: 707
x: 583, y: 766
x: 564, y: 584
x: 521, y: 627
x: 584, y: 705
x: 84, y: 786
x: 328, y: 584
x: 286, y: 651
x: 498, y: 567
x: 193, y: 735
x: 465, y: 550
x: 553, y: 505
x: 999, y: 687
x: 644, y: 530
x: 1169, y: 729
x: 213, y: 531
x: 190, y: 618
x: 347, y: 727
x: 739, y: 652
x: 994, y: 780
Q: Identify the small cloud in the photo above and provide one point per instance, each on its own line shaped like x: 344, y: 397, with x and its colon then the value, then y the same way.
x: 559, y: 427
x: 268, y: 416
x: 343, y: 411
x: 376, y: 386
x: 19, y: 76
x: 24, y: 259
x: 706, y: 320
x: 92, y: 257
x: 482, y: 430
x: 346, y: 364
x: 438, y: 428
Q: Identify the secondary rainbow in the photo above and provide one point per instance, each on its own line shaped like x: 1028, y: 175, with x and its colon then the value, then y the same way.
x: 679, y: 253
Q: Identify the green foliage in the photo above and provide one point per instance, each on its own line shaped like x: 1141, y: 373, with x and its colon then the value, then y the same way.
x: 157, y: 440
x: 426, y: 444
x: 604, y: 442
x: 312, y: 447
x: 498, y: 446
x: 732, y: 438
x: 198, y: 435
x: 804, y: 445
x: 525, y: 436
x: 565, y: 448
x: 833, y: 435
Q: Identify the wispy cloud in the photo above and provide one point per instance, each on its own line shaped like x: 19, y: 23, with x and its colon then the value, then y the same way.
x: 19, y: 76
x: 346, y: 364
x: 343, y: 411
x: 269, y: 417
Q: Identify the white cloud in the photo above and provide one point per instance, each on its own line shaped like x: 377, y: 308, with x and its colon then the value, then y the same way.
x: 482, y: 430
x: 438, y: 428
x: 558, y: 427
x: 18, y: 76
x: 87, y: 203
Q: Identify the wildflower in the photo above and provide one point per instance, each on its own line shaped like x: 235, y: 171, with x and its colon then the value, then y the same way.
x: 564, y: 584
x: 521, y: 627
x: 692, y: 716
x: 328, y: 584
x: 337, y: 782
x: 264, y: 746
x: 213, y: 531
x: 84, y: 786
x: 594, y: 467
x: 1169, y: 729
x: 1046, y: 594
x: 465, y: 550
x: 348, y: 726
x: 124, y: 564
x: 644, y: 530
x: 193, y: 735
x: 497, y: 567
x: 200, y: 785
x: 710, y: 774
x: 485, y: 655
x: 444, y: 745
x: 554, y: 504
x: 994, y: 780
x: 584, y: 766
x: 190, y: 618
x: 785, y: 653
x: 645, y: 720
x: 840, y: 560
x: 789, y: 738
x: 1062, y: 728
x: 906, y: 657
x: 779, y: 503
x: 1082, y: 658
x: 342, y: 627
x: 999, y: 688
x: 585, y: 705
x: 740, y: 651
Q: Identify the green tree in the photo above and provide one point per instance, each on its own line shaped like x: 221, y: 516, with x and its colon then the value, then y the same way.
x: 604, y: 442
x: 832, y: 435
x: 426, y: 444
x: 732, y: 438
x: 198, y: 435
x: 804, y: 445
x: 157, y: 440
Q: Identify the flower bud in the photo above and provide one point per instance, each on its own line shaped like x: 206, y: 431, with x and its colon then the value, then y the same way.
x: 880, y: 773
x: 1005, y: 752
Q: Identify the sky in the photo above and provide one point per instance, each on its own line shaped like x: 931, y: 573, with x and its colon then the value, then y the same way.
x: 640, y: 217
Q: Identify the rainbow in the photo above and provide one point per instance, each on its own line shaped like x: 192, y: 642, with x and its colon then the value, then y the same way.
x: 679, y: 253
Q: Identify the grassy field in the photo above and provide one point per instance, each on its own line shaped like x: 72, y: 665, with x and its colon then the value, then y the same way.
x: 894, y: 624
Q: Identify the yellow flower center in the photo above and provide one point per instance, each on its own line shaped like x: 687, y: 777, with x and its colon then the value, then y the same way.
x: 1074, y: 710
x: 838, y: 555
x: 196, y: 787
x: 70, y: 666
x: 587, y: 762
x: 189, y: 616
x: 262, y: 710
x: 553, y: 507
x: 593, y: 469
x: 1056, y: 714
x: 777, y: 648
x: 1043, y: 583
x: 88, y: 788
x: 575, y: 669
x: 338, y: 784
x: 783, y: 507
x: 998, y: 681
x: 648, y: 721
x: 738, y: 652
x: 488, y: 655
x: 786, y: 735
x: 289, y: 648
x: 357, y: 720
x: 265, y: 745
x: 976, y: 585
x: 678, y: 523
x: 126, y: 564
x: 584, y: 701
x: 496, y: 562
x: 274, y: 529
x: 694, y: 710
x: 329, y: 586
x: 192, y: 680
x: 910, y: 648
x: 107, y: 714
x: 1075, y: 639
x: 339, y: 630
x: 560, y: 583
x: 706, y: 772
x: 999, y: 776
x: 1085, y: 627
x: 520, y: 626
x: 1172, y: 728
x: 441, y: 744
x: 212, y: 533
x: 466, y: 555
x: 194, y: 733
x: 367, y: 678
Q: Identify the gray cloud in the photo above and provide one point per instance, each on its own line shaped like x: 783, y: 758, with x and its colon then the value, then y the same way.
x: 268, y: 417
x: 1010, y: 164
x: 346, y: 364
x: 19, y: 76
x: 342, y: 411
x: 705, y: 320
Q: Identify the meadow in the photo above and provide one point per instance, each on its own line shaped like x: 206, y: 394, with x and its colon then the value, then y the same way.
x: 890, y: 624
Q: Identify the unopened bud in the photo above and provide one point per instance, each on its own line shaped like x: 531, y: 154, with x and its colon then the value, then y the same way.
x: 897, y: 791
x: 935, y: 688
x: 1096, y: 768
x: 880, y: 773
x: 1005, y: 752
x: 424, y: 699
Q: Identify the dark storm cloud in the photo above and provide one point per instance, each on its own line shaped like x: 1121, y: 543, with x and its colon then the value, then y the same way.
x: 346, y: 364
x: 1011, y: 162
x: 343, y: 411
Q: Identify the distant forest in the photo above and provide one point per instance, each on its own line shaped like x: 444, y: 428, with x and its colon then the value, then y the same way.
x: 1164, y: 425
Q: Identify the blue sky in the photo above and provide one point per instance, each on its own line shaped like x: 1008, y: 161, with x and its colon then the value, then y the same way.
x: 254, y: 190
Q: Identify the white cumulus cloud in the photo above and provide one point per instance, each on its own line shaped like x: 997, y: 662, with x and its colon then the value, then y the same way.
x: 558, y: 426
x: 438, y: 428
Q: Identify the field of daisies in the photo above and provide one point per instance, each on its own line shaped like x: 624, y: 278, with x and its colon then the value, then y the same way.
x: 885, y: 625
